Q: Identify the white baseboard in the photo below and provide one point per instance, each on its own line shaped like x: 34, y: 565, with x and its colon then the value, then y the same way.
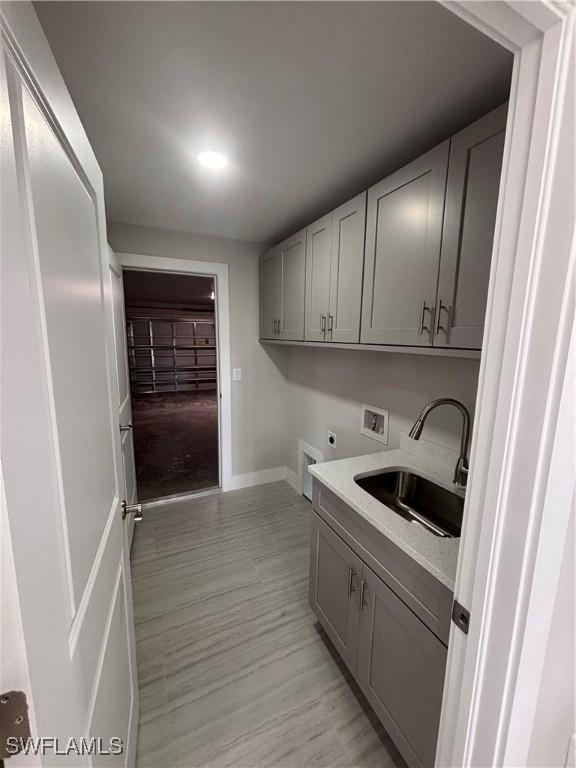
x: 294, y: 480
x: 256, y: 478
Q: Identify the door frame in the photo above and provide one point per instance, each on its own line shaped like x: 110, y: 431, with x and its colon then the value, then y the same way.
x: 219, y: 272
x: 523, y: 367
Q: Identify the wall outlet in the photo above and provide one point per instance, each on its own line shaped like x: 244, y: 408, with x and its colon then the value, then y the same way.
x: 236, y: 374
x: 331, y: 439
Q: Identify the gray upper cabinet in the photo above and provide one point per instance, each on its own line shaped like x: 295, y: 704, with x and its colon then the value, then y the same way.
x: 293, y: 279
x: 403, y: 238
x: 469, y: 221
x: 334, y: 262
x: 318, y: 258
x: 401, y: 667
x: 335, y: 573
x: 405, y: 264
x: 270, y: 293
x: 348, y: 231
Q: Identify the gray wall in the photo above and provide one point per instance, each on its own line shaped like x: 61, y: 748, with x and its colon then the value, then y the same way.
x: 287, y: 393
x: 325, y: 389
x: 258, y: 412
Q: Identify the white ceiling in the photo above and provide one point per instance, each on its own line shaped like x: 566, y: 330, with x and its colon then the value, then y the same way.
x: 311, y: 101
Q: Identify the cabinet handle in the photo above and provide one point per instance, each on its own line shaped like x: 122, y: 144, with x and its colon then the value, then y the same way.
x: 362, y: 591
x: 323, y: 324
x: 351, y: 587
x: 448, y: 309
x: 330, y: 325
x: 421, y: 326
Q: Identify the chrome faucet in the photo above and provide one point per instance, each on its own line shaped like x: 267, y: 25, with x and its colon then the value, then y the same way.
x: 461, y: 471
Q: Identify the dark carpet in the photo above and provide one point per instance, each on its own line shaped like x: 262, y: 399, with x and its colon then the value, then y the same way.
x: 175, y: 443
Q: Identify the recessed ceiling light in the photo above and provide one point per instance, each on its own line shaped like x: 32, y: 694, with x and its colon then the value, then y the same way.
x: 212, y: 159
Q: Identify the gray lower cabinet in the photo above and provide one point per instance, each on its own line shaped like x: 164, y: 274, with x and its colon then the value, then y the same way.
x: 403, y: 239
x: 335, y: 574
x: 469, y: 223
x: 387, y: 617
x: 401, y: 667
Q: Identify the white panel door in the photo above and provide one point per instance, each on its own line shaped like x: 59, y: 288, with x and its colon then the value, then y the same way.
x: 123, y: 380
x: 61, y: 453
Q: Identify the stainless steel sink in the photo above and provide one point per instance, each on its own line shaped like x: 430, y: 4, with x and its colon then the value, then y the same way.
x: 417, y: 499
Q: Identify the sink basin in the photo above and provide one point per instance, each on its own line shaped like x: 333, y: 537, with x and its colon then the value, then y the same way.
x: 416, y: 499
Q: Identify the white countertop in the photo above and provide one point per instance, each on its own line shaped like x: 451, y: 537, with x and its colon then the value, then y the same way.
x: 434, y: 553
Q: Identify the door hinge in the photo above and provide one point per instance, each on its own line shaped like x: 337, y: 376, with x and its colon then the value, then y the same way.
x: 460, y: 616
x: 14, y: 723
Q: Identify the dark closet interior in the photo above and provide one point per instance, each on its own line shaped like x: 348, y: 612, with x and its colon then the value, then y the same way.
x: 172, y: 356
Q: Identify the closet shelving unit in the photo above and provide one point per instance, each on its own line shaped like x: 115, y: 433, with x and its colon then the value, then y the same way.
x: 171, y: 354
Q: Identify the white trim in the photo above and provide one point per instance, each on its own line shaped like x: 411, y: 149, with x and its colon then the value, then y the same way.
x: 553, y: 539
x: 178, y: 498
x: 257, y: 478
x: 314, y: 453
x: 294, y: 480
x: 518, y: 393
x: 220, y: 273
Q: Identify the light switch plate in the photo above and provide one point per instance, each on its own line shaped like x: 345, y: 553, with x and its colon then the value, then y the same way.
x: 237, y: 374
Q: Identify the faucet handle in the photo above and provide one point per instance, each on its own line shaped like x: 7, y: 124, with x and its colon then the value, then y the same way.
x: 461, y: 472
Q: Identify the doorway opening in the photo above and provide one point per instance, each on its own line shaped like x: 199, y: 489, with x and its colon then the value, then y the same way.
x: 173, y: 364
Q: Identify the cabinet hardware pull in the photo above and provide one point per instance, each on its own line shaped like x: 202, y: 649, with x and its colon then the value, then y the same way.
x: 351, y: 587
x: 323, y: 324
x: 421, y: 326
x: 330, y: 325
x: 448, y: 309
x: 362, y: 591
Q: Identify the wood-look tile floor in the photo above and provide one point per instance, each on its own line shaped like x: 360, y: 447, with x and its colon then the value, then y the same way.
x: 233, y: 668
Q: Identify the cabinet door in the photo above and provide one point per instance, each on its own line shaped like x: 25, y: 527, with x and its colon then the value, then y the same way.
x: 293, y: 271
x: 348, y: 232
x: 403, y: 236
x: 335, y: 572
x: 401, y: 667
x: 469, y: 220
x: 318, y: 254
x: 270, y: 295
